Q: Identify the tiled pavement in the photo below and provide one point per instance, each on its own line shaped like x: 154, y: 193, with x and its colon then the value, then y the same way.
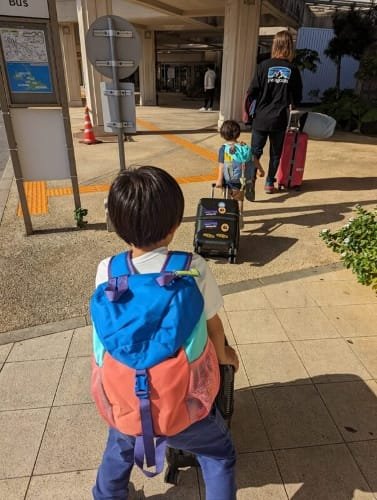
x: 305, y: 421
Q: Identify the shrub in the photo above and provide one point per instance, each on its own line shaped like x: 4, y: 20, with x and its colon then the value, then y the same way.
x: 307, y: 59
x: 349, y: 109
x: 356, y: 242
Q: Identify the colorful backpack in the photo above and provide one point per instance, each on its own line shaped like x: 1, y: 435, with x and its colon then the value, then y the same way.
x: 238, y: 165
x: 155, y: 371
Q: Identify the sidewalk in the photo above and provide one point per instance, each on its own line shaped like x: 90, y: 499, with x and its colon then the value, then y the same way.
x: 305, y: 422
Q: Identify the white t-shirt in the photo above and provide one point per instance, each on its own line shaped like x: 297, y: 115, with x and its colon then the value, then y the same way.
x: 152, y: 262
x: 209, y: 79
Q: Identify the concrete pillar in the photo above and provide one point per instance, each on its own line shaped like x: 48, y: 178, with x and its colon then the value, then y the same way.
x: 241, y: 30
x: 147, y: 69
x: 87, y: 12
x: 71, y: 65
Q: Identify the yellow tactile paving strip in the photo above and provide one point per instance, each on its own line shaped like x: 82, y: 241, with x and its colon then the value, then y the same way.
x: 36, y: 196
x: 37, y: 193
x: 64, y: 191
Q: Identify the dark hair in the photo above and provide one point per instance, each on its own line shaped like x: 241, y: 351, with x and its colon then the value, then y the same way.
x: 230, y: 130
x: 145, y: 204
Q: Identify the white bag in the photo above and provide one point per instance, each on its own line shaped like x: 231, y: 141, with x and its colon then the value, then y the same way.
x: 318, y: 125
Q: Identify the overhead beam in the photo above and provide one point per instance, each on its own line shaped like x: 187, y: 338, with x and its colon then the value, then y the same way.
x: 164, y: 8
x: 339, y: 3
x: 205, y: 12
x: 160, y: 7
x: 283, y: 19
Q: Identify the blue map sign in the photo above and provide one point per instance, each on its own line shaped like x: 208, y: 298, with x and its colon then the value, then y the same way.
x: 29, y: 77
x: 26, y: 60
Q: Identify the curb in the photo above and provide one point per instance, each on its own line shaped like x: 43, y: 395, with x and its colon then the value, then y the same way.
x: 242, y: 286
x: 227, y: 289
x: 42, y: 330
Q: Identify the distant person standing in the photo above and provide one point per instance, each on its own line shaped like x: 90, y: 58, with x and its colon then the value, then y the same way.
x: 277, y: 86
x: 209, y: 88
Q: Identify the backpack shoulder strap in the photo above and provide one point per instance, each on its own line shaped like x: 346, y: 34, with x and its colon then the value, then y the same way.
x: 227, y: 148
x: 177, y: 261
x: 120, y: 265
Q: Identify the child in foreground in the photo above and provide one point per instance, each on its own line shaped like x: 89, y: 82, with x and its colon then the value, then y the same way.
x: 236, y: 170
x: 146, y: 208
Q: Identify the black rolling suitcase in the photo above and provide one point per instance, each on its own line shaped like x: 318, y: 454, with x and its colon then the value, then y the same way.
x: 217, y: 227
x: 177, y: 459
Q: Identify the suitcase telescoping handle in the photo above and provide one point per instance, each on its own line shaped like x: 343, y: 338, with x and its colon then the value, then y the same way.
x: 213, y: 191
x: 296, y: 120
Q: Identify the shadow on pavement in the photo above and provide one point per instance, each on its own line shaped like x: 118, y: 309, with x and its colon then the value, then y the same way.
x: 318, y: 433
x: 96, y: 226
x: 172, y: 493
x: 332, y: 184
x: 322, y: 432
x: 259, y: 249
x: 320, y: 215
x: 206, y: 130
x: 330, y: 212
x: 350, y: 138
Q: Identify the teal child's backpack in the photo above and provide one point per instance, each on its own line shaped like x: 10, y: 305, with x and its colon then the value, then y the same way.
x: 239, y: 167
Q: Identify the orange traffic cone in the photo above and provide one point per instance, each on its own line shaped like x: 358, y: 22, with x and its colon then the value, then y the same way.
x: 89, y: 137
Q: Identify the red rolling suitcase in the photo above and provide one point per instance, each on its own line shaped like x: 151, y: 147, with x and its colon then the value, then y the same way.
x: 292, y: 161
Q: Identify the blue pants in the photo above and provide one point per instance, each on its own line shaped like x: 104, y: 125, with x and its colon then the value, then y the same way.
x: 258, y: 141
x: 209, y: 439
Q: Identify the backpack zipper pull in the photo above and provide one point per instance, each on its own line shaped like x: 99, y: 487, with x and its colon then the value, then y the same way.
x: 168, y: 277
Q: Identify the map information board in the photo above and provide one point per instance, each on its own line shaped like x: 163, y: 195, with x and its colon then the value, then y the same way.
x: 26, y: 59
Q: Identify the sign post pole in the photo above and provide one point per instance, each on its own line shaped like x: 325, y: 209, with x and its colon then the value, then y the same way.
x: 113, y: 47
x: 15, y: 158
x: 118, y: 119
x: 64, y: 103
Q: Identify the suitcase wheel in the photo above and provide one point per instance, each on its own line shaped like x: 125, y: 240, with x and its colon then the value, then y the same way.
x: 197, y: 249
x: 232, y: 255
x: 171, y: 475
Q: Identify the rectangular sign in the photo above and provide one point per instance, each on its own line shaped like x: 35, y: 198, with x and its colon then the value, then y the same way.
x: 41, y: 143
x: 127, y: 106
x: 26, y: 60
x: 24, y: 8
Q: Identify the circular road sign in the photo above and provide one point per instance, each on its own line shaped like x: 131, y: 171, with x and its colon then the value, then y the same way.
x: 126, y: 51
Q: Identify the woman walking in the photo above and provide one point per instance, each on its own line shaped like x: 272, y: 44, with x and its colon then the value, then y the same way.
x: 276, y: 87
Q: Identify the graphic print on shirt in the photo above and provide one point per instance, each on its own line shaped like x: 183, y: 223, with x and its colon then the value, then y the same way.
x: 279, y: 74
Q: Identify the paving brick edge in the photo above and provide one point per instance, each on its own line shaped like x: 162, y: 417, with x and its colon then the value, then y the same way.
x: 227, y: 289
x: 42, y: 330
x: 242, y: 286
x: 5, y: 185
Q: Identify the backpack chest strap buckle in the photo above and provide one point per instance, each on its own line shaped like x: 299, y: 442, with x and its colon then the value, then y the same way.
x: 141, y: 384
